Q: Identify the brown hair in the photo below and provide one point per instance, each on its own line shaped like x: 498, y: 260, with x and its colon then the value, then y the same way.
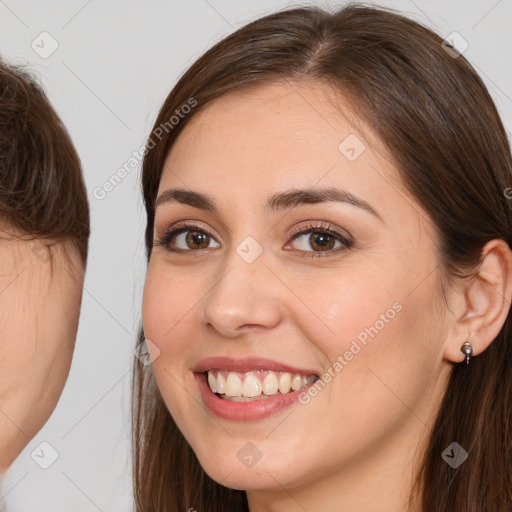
x: 439, y: 122
x: 42, y: 192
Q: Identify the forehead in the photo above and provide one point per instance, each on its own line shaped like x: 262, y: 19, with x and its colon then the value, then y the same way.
x: 281, y: 129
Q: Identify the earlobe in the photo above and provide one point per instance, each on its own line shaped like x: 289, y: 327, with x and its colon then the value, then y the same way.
x: 486, y: 302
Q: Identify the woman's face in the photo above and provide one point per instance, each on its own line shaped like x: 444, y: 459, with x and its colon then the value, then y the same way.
x: 40, y: 295
x: 309, y: 260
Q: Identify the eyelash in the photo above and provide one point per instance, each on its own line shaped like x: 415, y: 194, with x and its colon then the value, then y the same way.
x: 168, y: 236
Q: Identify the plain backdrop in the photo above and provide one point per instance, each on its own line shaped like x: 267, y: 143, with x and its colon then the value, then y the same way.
x: 112, y: 65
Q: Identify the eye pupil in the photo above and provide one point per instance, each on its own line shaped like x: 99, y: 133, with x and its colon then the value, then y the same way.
x: 322, y: 241
x: 197, y: 239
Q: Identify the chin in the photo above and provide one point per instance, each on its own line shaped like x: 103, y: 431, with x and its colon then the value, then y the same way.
x: 242, y: 473
x: 243, y: 479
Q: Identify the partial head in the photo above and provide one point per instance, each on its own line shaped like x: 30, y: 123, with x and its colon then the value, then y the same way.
x: 332, y: 201
x: 44, y: 232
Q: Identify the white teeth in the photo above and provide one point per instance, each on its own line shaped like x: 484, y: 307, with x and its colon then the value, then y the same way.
x: 296, y: 382
x: 212, y: 381
x: 255, y: 385
x: 221, y: 383
x: 285, y: 383
x: 270, y: 384
x: 233, y: 385
x: 251, y: 386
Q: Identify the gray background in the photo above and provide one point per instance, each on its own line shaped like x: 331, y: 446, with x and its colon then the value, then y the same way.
x: 115, y: 63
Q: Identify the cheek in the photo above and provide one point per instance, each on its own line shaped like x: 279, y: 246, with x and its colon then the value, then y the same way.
x: 39, y: 332
x: 63, y: 315
x: 170, y: 300
x: 344, y: 311
x: 40, y: 320
x: 371, y: 330
x: 57, y: 325
x: 162, y: 304
x: 167, y: 308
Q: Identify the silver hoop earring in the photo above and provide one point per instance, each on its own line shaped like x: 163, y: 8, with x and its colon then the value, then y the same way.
x: 467, y: 350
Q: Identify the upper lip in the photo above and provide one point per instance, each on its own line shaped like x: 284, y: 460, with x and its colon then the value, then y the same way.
x: 248, y: 364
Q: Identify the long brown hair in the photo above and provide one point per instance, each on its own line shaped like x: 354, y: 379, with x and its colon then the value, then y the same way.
x: 437, y: 118
x: 42, y: 192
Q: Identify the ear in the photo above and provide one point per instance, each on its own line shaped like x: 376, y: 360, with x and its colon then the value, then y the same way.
x: 482, y: 302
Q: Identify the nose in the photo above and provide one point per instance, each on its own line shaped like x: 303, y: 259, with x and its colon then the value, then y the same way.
x: 244, y: 298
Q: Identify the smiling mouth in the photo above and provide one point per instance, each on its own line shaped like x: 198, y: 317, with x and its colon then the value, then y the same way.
x: 255, y: 385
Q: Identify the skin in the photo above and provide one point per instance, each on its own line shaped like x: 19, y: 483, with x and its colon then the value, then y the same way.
x: 40, y: 295
x: 367, y: 427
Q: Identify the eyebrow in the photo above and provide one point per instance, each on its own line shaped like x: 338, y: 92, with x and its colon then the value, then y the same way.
x: 276, y: 202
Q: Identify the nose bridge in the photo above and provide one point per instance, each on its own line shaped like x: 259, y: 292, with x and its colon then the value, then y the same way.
x: 243, y: 294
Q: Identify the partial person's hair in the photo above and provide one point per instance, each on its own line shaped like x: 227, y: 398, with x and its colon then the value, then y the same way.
x: 42, y: 192
x: 436, y: 117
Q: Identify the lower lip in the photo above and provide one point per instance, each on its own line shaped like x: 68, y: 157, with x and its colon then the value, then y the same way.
x: 246, y: 411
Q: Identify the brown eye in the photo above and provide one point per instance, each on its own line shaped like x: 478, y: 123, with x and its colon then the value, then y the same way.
x: 197, y: 239
x: 187, y: 238
x: 322, y: 241
x: 318, y: 240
